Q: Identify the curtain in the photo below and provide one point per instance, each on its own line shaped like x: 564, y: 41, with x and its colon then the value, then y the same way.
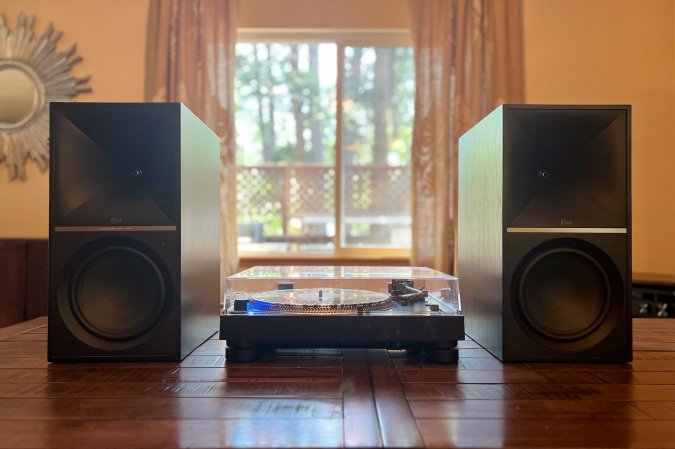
x: 468, y: 60
x: 190, y: 58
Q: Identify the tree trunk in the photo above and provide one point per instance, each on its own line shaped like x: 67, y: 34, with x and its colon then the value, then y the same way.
x: 261, y: 107
x: 382, y: 86
x: 351, y: 86
x: 296, y: 100
x: 382, y: 90
x: 315, y: 105
x: 270, y: 135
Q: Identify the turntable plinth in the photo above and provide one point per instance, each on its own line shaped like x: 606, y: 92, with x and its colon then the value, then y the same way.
x: 417, y: 309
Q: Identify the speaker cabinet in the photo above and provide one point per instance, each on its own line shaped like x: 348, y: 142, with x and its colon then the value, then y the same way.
x: 544, y: 233
x: 133, y: 232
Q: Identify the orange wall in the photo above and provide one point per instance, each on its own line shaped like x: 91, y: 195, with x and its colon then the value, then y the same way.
x: 324, y: 13
x: 616, y: 52
x: 110, y: 38
x: 576, y: 51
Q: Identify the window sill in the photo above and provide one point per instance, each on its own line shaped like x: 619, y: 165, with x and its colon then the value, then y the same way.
x: 372, y: 258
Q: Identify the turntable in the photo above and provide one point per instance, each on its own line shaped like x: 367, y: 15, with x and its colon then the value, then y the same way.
x: 412, y: 308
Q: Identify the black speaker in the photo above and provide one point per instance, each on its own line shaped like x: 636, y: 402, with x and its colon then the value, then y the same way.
x: 544, y: 233
x: 133, y: 232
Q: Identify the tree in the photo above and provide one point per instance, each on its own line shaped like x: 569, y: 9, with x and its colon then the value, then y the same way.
x: 314, y: 111
x: 269, y: 135
x: 350, y: 131
x: 263, y: 113
x: 382, y: 89
x: 295, y: 81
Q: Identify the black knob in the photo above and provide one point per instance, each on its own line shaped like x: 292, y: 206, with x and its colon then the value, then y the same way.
x: 285, y: 285
x: 240, y: 305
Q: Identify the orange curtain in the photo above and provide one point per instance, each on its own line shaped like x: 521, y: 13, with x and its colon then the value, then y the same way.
x: 190, y: 58
x: 468, y: 60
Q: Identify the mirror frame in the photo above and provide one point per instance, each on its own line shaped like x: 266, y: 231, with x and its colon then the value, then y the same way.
x: 50, y: 72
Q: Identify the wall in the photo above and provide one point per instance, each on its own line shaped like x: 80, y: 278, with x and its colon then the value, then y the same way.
x: 616, y: 52
x: 324, y: 14
x: 576, y: 51
x: 110, y: 38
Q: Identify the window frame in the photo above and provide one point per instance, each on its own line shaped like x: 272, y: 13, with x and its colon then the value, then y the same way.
x: 342, y: 37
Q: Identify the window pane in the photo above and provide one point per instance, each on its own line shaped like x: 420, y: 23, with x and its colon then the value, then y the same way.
x: 378, y: 110
x: 285, y: 122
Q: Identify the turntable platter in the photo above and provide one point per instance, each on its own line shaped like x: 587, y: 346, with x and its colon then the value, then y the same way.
x: 315, y: 300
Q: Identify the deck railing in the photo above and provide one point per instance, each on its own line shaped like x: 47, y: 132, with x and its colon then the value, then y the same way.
x: 285, y: 198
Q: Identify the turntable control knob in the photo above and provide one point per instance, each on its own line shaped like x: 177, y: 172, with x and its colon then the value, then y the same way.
x: 434, y: 307
x: 240, y: 305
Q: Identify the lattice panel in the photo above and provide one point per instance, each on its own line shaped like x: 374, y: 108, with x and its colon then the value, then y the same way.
x: 312, y: 191
x: 377, y: 191
x: 273, y: 195
x: 260, y: 192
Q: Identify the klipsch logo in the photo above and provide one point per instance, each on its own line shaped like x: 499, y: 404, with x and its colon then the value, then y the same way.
x: 565, y: 222
x: 116, y: 221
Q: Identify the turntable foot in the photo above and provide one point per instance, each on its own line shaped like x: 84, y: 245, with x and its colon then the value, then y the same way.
x: 240, y: 352
x: 235, y: 355
x: 414, y: 349
x: 442, y: 353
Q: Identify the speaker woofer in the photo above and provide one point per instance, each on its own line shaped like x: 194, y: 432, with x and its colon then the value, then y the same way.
x: 118, y: 293
x: 113, y: 293
x: 564, y: 293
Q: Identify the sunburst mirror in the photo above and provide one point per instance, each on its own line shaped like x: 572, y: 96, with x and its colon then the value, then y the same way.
x: 32, y: 74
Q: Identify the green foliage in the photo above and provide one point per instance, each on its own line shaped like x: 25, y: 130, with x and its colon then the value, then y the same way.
x: 285, y: 99
x: 278, y: 97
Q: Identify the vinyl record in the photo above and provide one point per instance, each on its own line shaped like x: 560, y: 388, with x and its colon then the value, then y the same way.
x: 316, y: 300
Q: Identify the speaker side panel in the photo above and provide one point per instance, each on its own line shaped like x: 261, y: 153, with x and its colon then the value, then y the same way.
x: 567, y: 297
x: 480, y: 230
x: 200, y: 231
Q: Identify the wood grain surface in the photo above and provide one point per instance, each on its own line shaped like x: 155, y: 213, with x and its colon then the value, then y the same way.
x: 21, y: 299
x: 336, y: 398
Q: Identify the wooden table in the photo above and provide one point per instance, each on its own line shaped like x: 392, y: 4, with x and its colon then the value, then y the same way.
x: 335, y: 398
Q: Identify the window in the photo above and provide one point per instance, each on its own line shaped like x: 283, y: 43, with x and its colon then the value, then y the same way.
x: 324, y: 129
